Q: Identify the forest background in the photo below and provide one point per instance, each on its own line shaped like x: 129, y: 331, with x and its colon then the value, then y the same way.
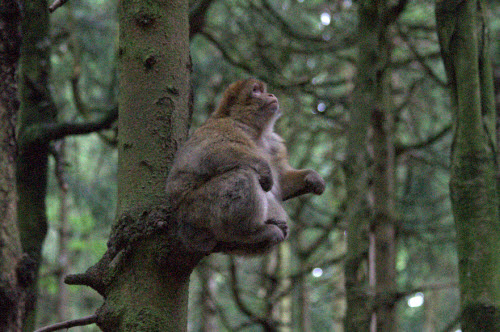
x: 307, y: 52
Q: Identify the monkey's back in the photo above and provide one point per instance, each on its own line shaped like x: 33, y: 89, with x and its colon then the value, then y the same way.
x: 208, y: 153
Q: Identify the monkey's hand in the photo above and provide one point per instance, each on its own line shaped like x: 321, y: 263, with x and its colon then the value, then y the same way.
x: 265, y: 174
x: 281, y: 224
x: 314, y: 183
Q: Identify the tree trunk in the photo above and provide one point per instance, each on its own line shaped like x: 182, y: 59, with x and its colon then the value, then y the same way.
x: 358, y: 314
x: 154, y: 101
x: 464, y: 46
x: 36, y: 108
x: 12, y: 291
x: 285, y: 303
x: 304, y: 314
x: 144, y: 275
x: 208, y: 309
x: 63, y: 233
x: 382, y: 228
x: 371, y: 253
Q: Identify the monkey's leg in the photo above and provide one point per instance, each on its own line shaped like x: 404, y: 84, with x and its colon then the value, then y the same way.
x: 263, y: 230
x: 247, y: 208
x: 231, y: 207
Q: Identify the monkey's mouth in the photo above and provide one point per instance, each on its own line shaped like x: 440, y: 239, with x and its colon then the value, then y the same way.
x: 273, y: 104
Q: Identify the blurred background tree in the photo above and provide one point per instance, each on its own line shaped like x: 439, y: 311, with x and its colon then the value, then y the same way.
x: 308, y: 51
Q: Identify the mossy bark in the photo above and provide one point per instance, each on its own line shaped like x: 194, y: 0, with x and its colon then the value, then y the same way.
x: 370, y: 261
x: 144, y: 275
x: 474, y: 192
x: 153, y: 120
x: 154, y: 96
x: 358, y: 314
x: 35, y: 108
x: 12, y: 291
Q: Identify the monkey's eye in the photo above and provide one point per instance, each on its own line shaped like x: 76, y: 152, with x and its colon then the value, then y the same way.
x: 256, y: 91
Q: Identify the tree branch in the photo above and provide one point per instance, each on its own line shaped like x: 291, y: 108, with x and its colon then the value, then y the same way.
x: 53, y: 131
x: 268, y: 326
x: 393, y: 12
x: 83, y: 109
x: 421, y: 59
x: 285, y: 27
x: 408, y: 98
x: 197, y: 15
x: 92, y: 319
x: 229, y: 58
x: 56, y: 4
x: 400, y: 149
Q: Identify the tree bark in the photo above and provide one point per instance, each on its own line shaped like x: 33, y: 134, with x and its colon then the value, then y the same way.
x: 31, y: 174
x: 371, y: 254
x: 144, y: 275
x: 37, y: 127
x: 358, y: 314
x: 474, y: 191
x: 12, y: 290
x: 63, y: 232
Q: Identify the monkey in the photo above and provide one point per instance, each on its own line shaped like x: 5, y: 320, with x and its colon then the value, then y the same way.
x: 229, y: 179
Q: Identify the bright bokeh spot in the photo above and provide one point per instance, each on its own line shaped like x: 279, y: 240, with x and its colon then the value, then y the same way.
x: 325, y: 18
x: 416, y: 300
x: 317, y: 272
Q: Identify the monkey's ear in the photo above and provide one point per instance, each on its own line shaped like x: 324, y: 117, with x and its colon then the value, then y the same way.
x: 229, y: 98
x: 223, y: 110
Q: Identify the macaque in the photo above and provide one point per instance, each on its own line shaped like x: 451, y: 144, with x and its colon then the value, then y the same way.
x: 229, y: 179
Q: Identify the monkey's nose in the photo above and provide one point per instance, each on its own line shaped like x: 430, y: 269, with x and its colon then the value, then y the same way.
x: 271, y: 95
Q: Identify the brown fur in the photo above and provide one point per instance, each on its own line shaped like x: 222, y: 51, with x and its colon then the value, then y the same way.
x: 228, y: 181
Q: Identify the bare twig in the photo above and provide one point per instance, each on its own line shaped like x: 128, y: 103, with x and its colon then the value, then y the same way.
x: 53, y: 131
x: 92, y: 319
x: 197, y: 15
x: 421, y: 59
x: 56, y: 4
x: 225, y: 54
x: 266, y: 323
x: 400, y: 149
x: 392, y: 14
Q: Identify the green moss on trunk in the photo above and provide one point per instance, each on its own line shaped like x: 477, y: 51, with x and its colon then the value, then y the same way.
x: 36, y: 107
x: 473, y: 184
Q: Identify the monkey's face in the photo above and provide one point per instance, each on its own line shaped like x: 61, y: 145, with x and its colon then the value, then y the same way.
x: 248, y: 101
x: 267, y: 102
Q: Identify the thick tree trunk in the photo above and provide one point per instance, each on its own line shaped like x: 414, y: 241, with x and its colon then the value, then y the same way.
x: 154, y: 96
x: 474, y: 193
x: 144, y: 275
x: 12, y: 291
x: 36, y: 108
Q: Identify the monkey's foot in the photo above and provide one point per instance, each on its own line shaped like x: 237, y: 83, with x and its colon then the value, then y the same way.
x: 265, y: 175
x: 281, y: 224
x: 315, y: 183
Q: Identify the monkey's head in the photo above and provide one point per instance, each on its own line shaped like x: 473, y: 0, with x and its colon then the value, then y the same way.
x: 248, y: 101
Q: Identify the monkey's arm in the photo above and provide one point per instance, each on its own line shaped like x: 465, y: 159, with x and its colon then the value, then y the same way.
x: 239, y: 157
x: 294, y: 183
